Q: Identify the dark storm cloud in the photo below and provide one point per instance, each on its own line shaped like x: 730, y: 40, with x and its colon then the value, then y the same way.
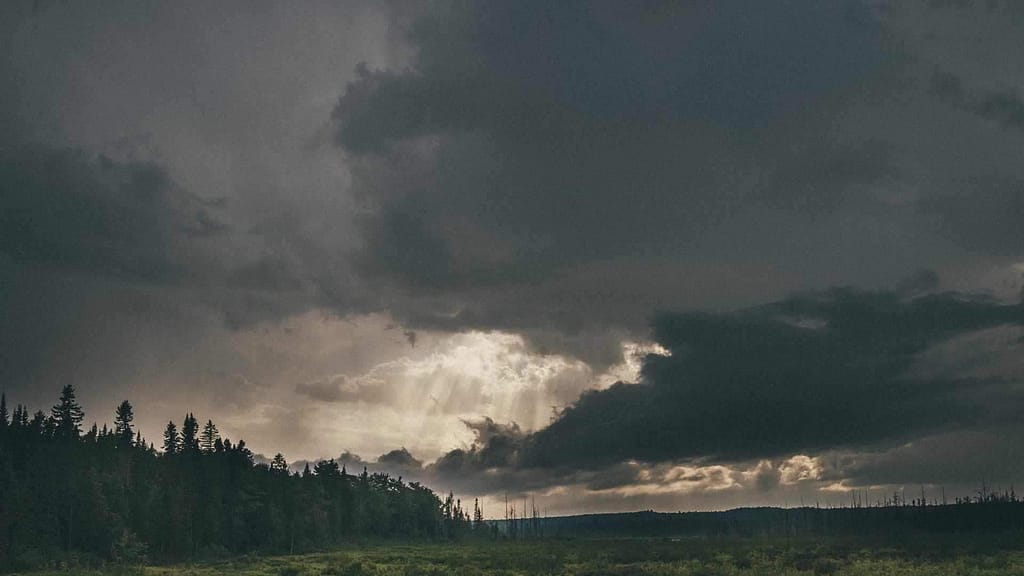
x: 78, y: 229
x: 982, y: 211
x: 157, y: 186
x: 983, y: 214
x: 804, y: 374
x: 60, y: 207
x: 495, y: 446
x: 847, y: 374
x: 818, y: 175
x: 964, y: 458
x: 1004, y: 107
x: 89, y: 243
x: 528, y: 140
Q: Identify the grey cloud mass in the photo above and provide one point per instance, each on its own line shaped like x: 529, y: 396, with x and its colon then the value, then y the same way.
x: 514, y: 115
x: 527, y: 146
x: 802, y: 375
x: 889, y: 384
x: 61, y: 208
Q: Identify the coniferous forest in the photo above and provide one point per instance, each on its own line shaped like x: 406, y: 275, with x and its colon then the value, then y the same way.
x: 72, y: 497
x: 110, y: 496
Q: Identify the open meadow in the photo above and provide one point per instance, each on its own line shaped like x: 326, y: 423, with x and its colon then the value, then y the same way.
x: 623, y: 557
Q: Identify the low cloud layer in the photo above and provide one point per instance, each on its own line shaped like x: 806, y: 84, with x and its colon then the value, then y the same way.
x: 804, y: 374
x: 846, y: 373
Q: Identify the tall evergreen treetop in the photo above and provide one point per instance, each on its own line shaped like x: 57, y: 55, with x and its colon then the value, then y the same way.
x: 67, y: 415
x: 279, y: 464
x: 123, y: 417
x: 3, y: 410
x: 326, y: 468
x: 189, y: 434
x: 208, y: 439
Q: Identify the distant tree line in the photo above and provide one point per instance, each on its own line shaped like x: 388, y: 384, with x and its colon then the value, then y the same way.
x: 106, y: 495
x: 988, y: 513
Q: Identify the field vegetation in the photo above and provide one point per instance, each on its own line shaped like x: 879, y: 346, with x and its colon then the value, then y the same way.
x: 623, y: 557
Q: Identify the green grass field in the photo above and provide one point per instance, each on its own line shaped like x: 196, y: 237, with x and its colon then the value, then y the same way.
x: 626, y: 557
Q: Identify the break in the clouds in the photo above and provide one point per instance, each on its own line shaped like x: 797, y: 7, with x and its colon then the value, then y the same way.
x: 621, y: 255
x: 891, y: 384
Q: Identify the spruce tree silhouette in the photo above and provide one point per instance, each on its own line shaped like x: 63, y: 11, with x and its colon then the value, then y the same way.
x: 4, y: 416
x: 123, y: 417
x: 209, y: 437
x: 189, y: 434
x: 66, y: 415
x: 279, y: 464
x: 172, y: 442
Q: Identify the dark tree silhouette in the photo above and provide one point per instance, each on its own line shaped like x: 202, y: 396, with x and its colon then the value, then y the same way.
x: 4, y: 416
x: 67, y: 414
x: 279, y: 464
x: 327, y: 468
x: 172, y: 442
x: 189, y: 434
x: 65, y: 496
x: 209, y: 437
x: 123, y: 417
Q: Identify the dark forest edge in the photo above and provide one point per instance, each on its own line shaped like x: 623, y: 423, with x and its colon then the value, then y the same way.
x: 107, y: 496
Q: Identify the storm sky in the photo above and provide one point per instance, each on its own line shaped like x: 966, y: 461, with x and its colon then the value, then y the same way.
x: 612, y: 255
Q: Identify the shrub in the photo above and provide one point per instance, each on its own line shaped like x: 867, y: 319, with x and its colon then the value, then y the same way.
x: 348, y: 567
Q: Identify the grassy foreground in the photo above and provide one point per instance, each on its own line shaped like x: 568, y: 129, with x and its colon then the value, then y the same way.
x: 627, y: 557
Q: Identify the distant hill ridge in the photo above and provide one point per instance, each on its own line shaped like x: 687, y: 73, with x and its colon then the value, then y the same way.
x: 988, y: 516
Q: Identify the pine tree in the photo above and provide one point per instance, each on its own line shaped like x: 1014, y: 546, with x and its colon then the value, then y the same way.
x: 208, y: 439
x: 3, y: 411
x: 67, y: 414
x: 123, y: 417
x: 279, y: 464
x: 478, y: 514
x: 189, y: 431
x: 172, y: 442
x: 326, y: 469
